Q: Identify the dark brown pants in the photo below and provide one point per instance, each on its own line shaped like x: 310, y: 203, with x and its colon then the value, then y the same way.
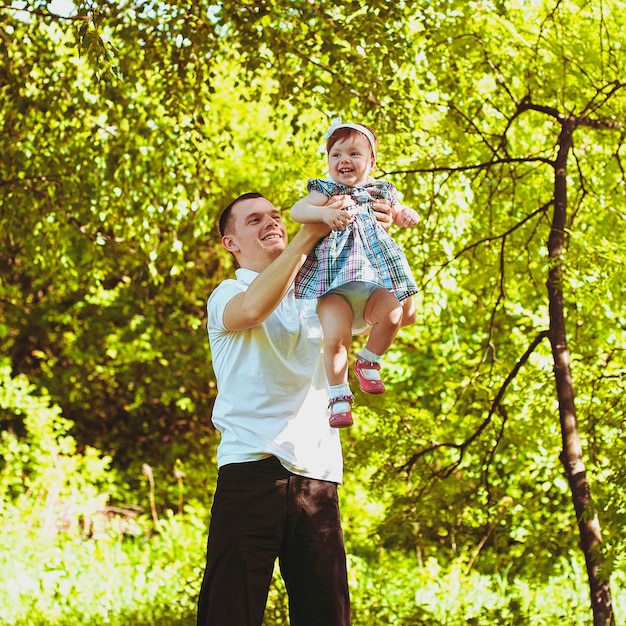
x: 261, y: 512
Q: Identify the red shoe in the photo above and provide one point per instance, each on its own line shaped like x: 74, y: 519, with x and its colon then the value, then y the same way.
x: 368, y: 376
x: 340, y: 419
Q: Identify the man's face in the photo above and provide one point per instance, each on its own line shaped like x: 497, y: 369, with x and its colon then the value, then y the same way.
x: 257, y: 234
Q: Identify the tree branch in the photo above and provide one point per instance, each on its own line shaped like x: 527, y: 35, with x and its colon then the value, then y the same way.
x: 495, y: 405
x: 46, y: 13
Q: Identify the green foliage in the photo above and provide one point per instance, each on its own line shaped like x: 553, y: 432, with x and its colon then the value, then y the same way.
x: 394, y: 589
x: 69, y: 579
x: 86, y: 563
x: 68, y: 556
x: 43, y: 466
x: 125, y: 131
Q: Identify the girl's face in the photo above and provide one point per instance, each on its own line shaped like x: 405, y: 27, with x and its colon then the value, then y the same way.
x: 350, y: 160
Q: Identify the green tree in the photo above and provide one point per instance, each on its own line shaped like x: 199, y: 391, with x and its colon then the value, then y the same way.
x: 499, y: 121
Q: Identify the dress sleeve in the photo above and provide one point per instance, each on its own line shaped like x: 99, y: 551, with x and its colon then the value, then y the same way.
x: 392, y: 195
x: 321, y: 186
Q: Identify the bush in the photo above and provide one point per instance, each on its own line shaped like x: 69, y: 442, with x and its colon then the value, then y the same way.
x: 69, y: 557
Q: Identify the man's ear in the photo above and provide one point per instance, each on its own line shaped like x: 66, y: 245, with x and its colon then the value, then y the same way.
x: 230, y: 244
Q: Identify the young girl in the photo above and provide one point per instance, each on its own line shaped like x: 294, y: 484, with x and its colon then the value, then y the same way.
x: 360, y: 275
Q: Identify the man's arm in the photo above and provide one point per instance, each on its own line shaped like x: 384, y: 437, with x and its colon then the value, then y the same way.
x: 253, y: 306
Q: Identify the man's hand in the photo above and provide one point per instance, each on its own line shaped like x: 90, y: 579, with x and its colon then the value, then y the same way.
x: 382, y: 208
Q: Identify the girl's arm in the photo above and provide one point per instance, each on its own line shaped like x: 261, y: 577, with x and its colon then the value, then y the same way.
x: 311, y: 208
x: 316, y: 207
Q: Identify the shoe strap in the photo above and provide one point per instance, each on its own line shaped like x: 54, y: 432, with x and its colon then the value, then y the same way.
x: 332, y: 401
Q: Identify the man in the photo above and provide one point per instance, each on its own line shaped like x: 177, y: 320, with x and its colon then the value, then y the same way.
x: 279, y: 461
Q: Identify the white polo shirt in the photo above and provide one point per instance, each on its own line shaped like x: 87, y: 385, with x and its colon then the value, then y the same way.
x: 272, y: 393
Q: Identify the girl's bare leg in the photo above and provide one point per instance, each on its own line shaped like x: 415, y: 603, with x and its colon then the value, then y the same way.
x: 385, y: 313
x: 408, y: 312
x: 336, y: 318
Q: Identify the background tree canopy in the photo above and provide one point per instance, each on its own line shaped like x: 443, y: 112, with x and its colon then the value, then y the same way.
x: 127, y: 126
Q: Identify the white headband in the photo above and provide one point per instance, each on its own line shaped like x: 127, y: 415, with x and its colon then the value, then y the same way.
x: 336, y: 123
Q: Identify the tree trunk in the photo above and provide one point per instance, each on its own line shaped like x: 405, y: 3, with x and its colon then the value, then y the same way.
x: 571, y: 455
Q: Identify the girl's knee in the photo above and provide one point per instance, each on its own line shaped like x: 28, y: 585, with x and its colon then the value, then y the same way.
x: 384, y: 308
x: 396, y: 315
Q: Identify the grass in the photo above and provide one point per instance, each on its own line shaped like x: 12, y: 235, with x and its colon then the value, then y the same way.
x: 63, y: 579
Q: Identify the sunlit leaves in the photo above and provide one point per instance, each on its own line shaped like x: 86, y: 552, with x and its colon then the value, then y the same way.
x: 111, y: 187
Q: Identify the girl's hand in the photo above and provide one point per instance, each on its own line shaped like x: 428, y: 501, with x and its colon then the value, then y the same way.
x: 406, y: 217
x: 338, y: 219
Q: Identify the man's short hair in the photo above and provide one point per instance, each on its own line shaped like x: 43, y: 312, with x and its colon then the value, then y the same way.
x: 225, y: 216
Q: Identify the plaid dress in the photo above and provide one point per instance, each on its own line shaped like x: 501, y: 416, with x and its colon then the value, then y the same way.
x: 361, y: 252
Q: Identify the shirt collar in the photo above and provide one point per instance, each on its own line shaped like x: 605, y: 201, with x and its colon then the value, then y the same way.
x: 246, y: 276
